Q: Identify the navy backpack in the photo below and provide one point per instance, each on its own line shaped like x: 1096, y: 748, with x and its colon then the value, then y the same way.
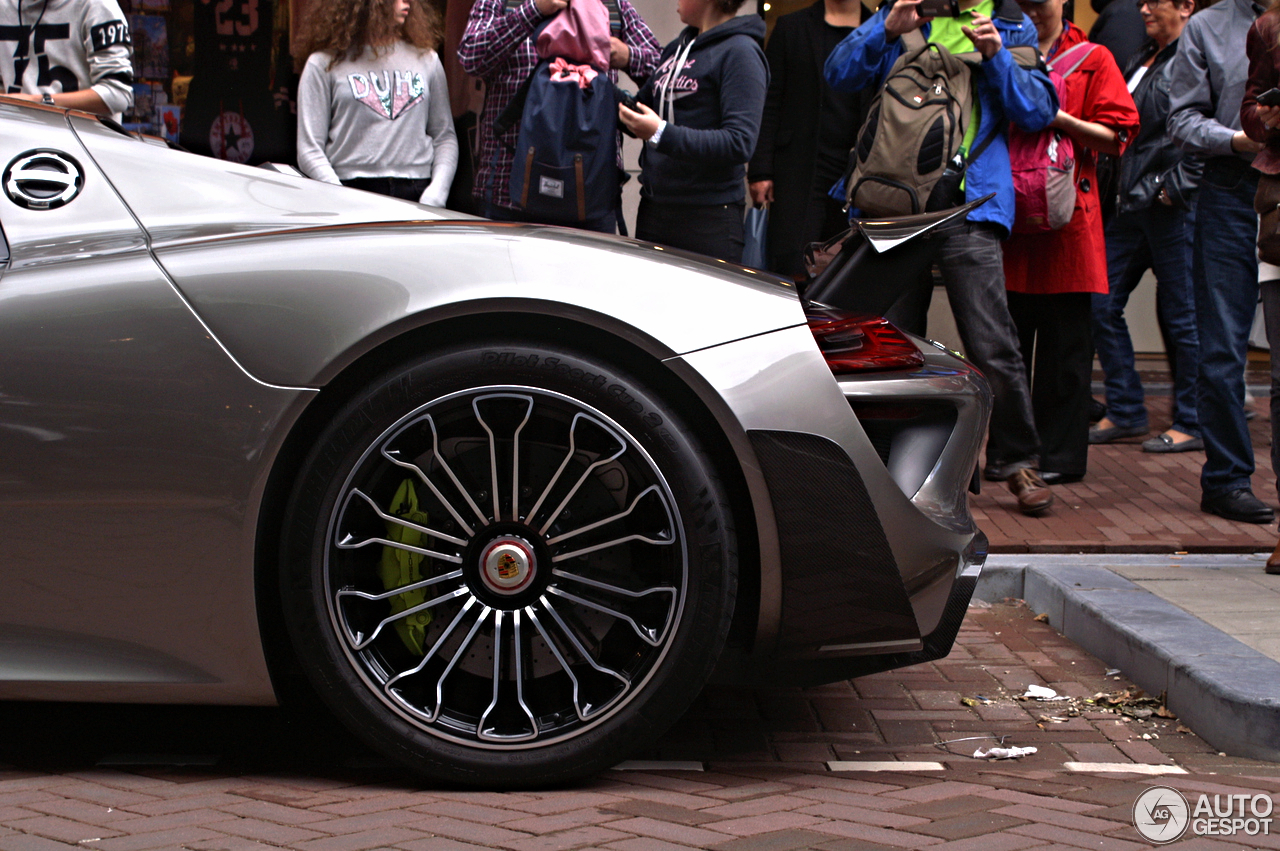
x: 565, y: 169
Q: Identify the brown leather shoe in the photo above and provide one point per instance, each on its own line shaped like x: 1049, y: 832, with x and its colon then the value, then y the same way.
x: 1273, y: 563
x: 1034, y: 496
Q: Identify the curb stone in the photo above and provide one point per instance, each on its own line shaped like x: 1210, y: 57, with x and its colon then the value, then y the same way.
x: 1226, y: 691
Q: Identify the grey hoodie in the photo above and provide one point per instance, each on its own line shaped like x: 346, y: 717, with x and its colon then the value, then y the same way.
x: 710, y: 89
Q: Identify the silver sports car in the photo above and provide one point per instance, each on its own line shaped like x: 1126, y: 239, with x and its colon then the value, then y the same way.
x: 502, y: 498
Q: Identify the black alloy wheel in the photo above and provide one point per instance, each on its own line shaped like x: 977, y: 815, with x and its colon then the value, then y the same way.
x: 508, y: 565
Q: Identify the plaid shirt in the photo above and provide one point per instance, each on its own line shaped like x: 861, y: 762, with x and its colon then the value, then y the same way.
x: 496, y: 47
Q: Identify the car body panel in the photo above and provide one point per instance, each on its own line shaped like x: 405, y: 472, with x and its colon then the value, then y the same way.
x: 162, y: 335
x: 133, y: 454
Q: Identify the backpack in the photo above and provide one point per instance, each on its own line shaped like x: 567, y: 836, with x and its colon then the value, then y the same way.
x: 565, y: 169
x: 914, y: 131
x: 1044, y: 162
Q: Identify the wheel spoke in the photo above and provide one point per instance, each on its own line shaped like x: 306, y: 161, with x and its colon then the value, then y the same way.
x: 519, y: 646
x: 391, y: 518
x: 435, y: 580
x: 389, y: 687
x: 483, y: 731
x: 648, y: 635
x: 359, y: 642
x: 614, y: 589
x: 644, y: 539
x: 350, y: 543
x: 586, y: 474
x: 588, y: 711
x: 652, y: 489
x: 390, y: 455
x: 493, y: 452
x: 572, y: 451
x: 462, y: 649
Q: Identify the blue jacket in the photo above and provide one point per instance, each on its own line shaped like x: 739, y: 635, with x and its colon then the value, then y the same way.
x: 1006, y: 91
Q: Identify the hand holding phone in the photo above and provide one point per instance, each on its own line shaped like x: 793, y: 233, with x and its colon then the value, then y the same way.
x: 1271, y: 97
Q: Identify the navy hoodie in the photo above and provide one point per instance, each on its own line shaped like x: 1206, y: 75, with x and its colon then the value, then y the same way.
x: 711, y: 93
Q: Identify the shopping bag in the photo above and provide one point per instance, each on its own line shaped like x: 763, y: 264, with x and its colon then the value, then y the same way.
x: 756, y: 236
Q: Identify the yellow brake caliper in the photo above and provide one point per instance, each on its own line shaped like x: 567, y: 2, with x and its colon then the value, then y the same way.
x: 401, y: 567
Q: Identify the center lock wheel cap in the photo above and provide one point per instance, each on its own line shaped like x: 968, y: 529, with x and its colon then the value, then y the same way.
x: 508, y: 565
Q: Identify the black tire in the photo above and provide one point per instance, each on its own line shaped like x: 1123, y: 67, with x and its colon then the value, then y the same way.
x: 554, y: 644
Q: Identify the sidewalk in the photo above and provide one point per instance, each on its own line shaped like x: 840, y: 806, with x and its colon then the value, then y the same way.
x: 1134, y: 502
x: 1126, y: 565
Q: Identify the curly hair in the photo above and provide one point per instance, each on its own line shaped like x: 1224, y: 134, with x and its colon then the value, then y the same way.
x: 346, y: 27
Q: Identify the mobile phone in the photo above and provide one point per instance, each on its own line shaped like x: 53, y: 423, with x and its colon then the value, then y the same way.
x: 938, y: 9
x: 628, y: 99
x: 1271, y: 97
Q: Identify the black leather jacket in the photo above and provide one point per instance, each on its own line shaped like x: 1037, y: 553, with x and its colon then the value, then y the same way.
x: 1152, y: 161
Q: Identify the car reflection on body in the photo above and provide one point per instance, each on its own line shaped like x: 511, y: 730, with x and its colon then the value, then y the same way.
x: 503, y: 497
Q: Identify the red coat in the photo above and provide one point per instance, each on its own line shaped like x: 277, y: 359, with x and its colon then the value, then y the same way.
x: 1074, y: 258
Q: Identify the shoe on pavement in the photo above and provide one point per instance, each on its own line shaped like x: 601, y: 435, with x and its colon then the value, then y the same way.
x: 1165, y: 443
x: 1051, y: 478
x: 1239, y: 505
x: 1097, y: 410
x: 1115, y: 432
x: 1034, y: 496
x: 1273, y: 563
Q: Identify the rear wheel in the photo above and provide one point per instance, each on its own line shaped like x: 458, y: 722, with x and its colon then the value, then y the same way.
x: 508, y: 565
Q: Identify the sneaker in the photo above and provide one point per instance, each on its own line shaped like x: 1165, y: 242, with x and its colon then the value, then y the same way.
x: 1034, y: 496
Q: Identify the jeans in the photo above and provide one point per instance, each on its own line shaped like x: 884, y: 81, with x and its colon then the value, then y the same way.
x: 711, y: 229
x: 972, y: 266
x: 1224, y: 271
x: 1271, y: 313
x: 1158, y: 238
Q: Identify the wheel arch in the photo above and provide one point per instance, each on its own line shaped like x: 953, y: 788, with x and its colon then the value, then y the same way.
x: 627, y: 347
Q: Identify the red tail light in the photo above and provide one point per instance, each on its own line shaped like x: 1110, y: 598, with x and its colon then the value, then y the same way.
x: 857, y: 342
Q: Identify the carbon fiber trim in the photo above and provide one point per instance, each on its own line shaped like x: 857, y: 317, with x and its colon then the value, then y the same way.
x: 840, y: 583
x: 807, y: 672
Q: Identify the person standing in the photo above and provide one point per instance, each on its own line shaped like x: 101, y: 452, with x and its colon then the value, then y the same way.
x: 72, y: 53
x: 1262, y: 124
x: 699, y: 116
x: 1206, y: 88
x: 1119, y: 28
x: 1052, y: 275
x: 1151, y: 229
x: 806, y: 132
x: 497, y: 47
x: 969, y: 255
x: 373, y: 104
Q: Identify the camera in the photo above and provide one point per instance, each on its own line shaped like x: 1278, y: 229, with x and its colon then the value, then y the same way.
x: 938, y: 9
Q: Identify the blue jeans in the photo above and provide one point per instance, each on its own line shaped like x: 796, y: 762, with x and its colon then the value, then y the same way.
x: 1224, y: 271
x: 1271, y: 313
x: 1158, y: 238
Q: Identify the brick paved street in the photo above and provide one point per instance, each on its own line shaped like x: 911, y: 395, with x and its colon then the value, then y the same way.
x: 108, y: 778
x: 1133, y: 502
